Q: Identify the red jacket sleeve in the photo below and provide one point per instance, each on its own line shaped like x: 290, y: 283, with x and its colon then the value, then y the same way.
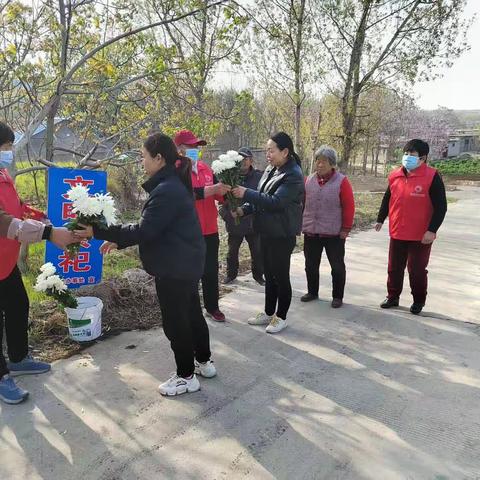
x: 348, y: 204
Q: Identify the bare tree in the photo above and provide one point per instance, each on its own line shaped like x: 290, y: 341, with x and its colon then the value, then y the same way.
x: 370, y: 42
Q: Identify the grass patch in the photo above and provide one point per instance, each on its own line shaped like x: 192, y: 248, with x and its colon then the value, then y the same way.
x: 31, y: 188
x: 367, y: 205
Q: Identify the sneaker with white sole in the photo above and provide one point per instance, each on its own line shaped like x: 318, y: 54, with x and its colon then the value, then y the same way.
x: 206, y: 369
x: 28, y: 366
x: 276, y: 325
x: 10, y: 392
x: 176, y: 385
x: 261, y: 319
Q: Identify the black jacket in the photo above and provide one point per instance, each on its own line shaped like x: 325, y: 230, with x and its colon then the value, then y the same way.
x: 245, y: 227
x: 277, y: 206
x: 169, y: 236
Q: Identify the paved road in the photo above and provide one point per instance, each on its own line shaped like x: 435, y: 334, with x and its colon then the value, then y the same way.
x: 356, y: 393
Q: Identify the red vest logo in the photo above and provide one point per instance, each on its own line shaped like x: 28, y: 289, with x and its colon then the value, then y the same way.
x: 418, y: 191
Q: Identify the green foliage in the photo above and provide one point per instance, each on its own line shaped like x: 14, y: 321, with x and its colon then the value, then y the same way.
x: 461, y: 166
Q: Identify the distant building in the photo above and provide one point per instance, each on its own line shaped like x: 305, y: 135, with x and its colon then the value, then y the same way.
x: 463, y: 141
x: 65, y: 138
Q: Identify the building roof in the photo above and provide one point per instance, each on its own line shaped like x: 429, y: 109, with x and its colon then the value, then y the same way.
x: 41, y: 128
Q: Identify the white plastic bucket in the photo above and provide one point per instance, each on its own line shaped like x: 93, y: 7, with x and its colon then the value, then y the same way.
x: 85, y: 321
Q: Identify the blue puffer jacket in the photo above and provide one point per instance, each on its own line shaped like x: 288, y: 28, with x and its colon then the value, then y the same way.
x: 169, y: 236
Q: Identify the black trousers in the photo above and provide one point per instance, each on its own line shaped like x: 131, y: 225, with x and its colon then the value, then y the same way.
x: 183, y: 323
x: 14, y: 307
x: 210, y: 274
x: 335, y: 249
x: 276, y: 253
x: 234, y: 243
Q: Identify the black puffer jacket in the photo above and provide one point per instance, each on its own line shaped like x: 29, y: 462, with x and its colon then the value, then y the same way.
x: 169, y: 236
x: 277, y: 206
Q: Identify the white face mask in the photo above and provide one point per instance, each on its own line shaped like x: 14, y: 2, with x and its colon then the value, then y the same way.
x: 6, y: 158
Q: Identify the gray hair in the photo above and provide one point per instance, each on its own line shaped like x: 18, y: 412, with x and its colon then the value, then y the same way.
x: 327, y: 152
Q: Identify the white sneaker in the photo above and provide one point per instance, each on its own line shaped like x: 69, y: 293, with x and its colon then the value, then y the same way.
x: 261, y: 319
x: 276, y: 325
x: 206, y: 369
x: 176, y: 385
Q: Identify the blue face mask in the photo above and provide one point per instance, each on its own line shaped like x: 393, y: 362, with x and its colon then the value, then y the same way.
x: 6, y: 158
x: 410, y: 162
x: 193, y: 155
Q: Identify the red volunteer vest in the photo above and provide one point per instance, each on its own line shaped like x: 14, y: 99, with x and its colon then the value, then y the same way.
x: 206, y: 208
x: 410, y: 208
x: 10, y: 203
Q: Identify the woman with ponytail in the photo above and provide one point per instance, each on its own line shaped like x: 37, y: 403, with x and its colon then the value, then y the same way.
x: 172, y: 249
x: 277, y: 209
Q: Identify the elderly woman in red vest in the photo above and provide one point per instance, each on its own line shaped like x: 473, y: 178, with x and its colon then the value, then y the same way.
x: 416, y: 204
x: 327, y: 220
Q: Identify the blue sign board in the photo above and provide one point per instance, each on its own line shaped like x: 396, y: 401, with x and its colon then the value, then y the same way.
x: 86, y: 267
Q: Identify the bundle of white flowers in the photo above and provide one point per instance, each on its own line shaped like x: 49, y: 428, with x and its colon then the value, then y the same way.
x: 98, y: 209
x: 52, y: 284
x: 227, y: 170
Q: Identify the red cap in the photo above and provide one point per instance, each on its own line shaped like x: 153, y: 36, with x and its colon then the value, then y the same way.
x: 186, y: 137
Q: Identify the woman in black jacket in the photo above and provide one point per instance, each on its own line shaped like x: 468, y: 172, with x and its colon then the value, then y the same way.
x: 277, y: 209
x: 172, y: 249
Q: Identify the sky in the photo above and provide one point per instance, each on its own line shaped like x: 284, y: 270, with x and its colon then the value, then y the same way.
x: 459, y: 87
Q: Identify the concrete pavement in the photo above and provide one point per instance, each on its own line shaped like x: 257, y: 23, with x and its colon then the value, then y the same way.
x: 355, y: 393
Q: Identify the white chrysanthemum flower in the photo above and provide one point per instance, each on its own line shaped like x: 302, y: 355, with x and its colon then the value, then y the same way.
x: 77, y: 192
x: 108, y: 208
x: 229, y: 163
x: 54, y: 282
x: 218, y: 166
x: 48, y: 269
x: 234, y: 156
x: 87, y: 207
x: 110, y: 214
x: 40, y: 285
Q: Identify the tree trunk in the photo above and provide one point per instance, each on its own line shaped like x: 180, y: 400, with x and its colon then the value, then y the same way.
x: 365, y: 156
x: 377, y: 154
x: 299, y: 16
x: 50, y: 132
x: 353, y: 87
x: 315, y: 140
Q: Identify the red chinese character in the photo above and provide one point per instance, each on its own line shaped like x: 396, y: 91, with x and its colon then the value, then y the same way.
x: 78, y: 180
x: 77, y: 263
x: 67, y: 213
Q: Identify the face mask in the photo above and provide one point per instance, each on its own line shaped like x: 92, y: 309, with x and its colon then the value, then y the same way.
x: 193, y: 154
x: 410, y: 162
x: 6, y: 158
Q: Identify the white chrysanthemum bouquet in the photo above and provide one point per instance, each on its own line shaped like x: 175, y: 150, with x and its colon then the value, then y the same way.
x: 98, y: 209
x: 227, y: 170
x: 52, y: 284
